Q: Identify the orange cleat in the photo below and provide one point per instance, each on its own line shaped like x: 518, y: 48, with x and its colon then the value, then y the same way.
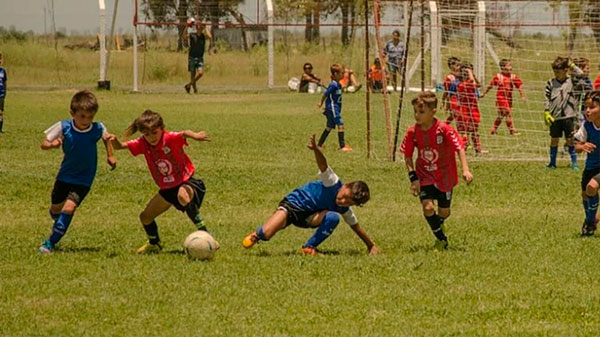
x: 250, y: 240
x: 310, y: 251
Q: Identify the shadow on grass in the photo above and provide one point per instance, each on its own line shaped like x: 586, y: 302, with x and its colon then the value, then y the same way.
x: 429, y: 248
x: 79, y: 250
x: 327, y: 252
x: 175, y: 252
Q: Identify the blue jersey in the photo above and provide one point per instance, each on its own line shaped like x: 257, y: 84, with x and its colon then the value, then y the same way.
x: 589, y: 133
x: 81, y: 153
x: 320, y: 195
x: 333, y: 95
x: 3, y: 79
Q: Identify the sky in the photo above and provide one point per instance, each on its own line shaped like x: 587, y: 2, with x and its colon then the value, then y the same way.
x: 70, y: 15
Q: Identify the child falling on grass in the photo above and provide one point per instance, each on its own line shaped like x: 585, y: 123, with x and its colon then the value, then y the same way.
x: 434, y: 175
x: 171, y: 169
x: 317, y: 204
x: 77, y: 137
x: 587, y: 139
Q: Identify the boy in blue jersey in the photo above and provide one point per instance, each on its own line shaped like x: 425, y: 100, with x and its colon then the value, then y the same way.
x: 317, y: 204
x: 78, y: 137
x: 3, y: 79
x: 333, y: 107
x: 587, y: 139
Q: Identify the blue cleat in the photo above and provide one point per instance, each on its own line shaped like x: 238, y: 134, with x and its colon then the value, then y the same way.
x: 46, y: 248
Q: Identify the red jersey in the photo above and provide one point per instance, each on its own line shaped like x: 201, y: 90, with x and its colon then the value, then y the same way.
x: 505, y: 86
x: 597, y: 83
x: 452, y: 95
x: 168, y: 163
x: 436, y: 159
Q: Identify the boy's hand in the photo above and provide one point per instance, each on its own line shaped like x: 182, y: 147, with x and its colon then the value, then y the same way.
x: 319, y: 105
x: 415, y: 188
x: 374, y: 250
x: 523, y: 99
x: 548, y: 118
x: 112, y: 161
x: 202, y: 136
x: 588, y: 147
x: 468, y: 177
x: 57, y: 142
x: 482, y: 95
x: 311, y: 143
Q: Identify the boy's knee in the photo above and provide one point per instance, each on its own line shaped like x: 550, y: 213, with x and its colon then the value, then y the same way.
x: 428, y: 209
x: 444, y: 212
x: 591, y: 189
x: 332, y: 218
x: 145, y: 218
x: 185, y: 195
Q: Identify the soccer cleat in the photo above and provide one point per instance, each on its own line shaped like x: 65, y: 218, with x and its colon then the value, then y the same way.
x: 515, y: 133
x: 250, y: 240
x: 46, y: 248
x: 575, y: 167
x: 187, y: 88
x: 492, y: 132
x: 588, y: 229
x: 358, y: 87
x: 149, y: 248
x: 550, y: 167
x: 440, y: 245
x: 312, y: 251
x: 346, y: 148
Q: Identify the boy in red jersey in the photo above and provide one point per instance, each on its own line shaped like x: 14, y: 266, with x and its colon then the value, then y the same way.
x: 450, y: 97
x: 171, y: 169
x: 505, y: 81
x: 469, y: 109
x: 435, y: 174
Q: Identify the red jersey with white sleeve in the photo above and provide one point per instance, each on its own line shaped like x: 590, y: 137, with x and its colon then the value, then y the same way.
x: 436, y: 158
x: 168, y: 163
x: 505, y: 86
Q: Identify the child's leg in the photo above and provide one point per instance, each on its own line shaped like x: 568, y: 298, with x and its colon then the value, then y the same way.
x: 341, y: 136
x: 572, y: 153
x: 591, y: 193
x: 509, y: 122
x: 155, y: 207
x: 62, y: 221
x: 497, y: 122
x: 434, y: 220
x: 324, y: 135
x: 327, y: 222
x: 190, y: 195
x: 198, y: 75
x: 274, y: 224
x: 1, y: 117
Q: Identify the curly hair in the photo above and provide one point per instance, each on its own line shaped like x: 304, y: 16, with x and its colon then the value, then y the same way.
x: 360, y: 192
x: 149, y: 120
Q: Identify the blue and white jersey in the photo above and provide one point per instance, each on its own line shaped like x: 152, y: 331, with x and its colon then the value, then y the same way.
x: 589, y: 133
x: 333, y: 95
x: 394, y: 52
x: 81, y: 153
x: 3, y: 79
x: 320, y: 195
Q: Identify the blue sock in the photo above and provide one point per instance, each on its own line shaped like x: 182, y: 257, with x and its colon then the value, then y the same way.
x: 553, y: 152
x: 261, y: 234
x: 60, y: 227
x: 53, y: 216
x: 592, y: 208
x: 327, y: 226
x: 573, y: 155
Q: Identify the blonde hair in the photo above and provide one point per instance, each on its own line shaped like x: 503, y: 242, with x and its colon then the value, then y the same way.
x: 149, y: 120
x: 84, y: 100
x: 336, y: 68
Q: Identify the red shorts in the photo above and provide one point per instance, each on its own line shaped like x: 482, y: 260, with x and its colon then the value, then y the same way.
x: 471, y: 118
x: 504, y: 107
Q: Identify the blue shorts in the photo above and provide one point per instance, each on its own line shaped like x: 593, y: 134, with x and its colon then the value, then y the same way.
x: 332, y: 120
x: 195, y: 63
x: 393, y: 66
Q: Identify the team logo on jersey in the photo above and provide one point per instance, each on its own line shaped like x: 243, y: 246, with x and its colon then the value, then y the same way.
x: 439, y: 139
x: 166, y: 150
x: 431, y: 157
x: 164, y: 167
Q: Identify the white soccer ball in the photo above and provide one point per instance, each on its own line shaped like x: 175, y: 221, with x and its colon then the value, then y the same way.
x: 351, y: 89
x: 293, y: 84
x: 200, y: 245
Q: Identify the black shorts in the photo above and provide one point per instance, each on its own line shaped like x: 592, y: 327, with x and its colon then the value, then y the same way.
x: 295, y: 216
x: 431, y: 192
x: 197, y: 185
x: 589, y: 175
x: 563, y: 126
x: 63, y: 191
x: 1, y: 103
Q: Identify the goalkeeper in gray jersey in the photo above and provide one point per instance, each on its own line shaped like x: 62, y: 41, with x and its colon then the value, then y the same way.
x: 562, y: 105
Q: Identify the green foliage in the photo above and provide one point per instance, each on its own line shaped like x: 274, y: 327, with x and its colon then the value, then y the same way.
x: 516, y: 265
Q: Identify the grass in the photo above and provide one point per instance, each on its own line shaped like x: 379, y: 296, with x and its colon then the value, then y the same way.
x: 516, y: 265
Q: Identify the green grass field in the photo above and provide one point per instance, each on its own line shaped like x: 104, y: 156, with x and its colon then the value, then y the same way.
x: 516, y: 265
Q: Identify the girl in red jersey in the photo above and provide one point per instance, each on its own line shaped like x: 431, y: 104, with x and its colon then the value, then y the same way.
x: 434, y: 175
x: 171, y: 169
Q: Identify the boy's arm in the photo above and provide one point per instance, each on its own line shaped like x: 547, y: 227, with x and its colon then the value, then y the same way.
x: 110, y: 152
x: 415, y: 185
x: 487, y: 89
x: 319, y: 157
x: 322, y: 100
x: 199, y: 136
x: 522, y: 94
x: 208, y: 34
x: 467, y: 176
x: 46, y: 145
x: 362, y: 234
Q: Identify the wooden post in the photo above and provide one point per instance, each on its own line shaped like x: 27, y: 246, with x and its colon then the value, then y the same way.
x: 386, y: 100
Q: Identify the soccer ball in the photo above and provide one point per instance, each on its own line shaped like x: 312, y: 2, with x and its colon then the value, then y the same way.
x: 200, y: 245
